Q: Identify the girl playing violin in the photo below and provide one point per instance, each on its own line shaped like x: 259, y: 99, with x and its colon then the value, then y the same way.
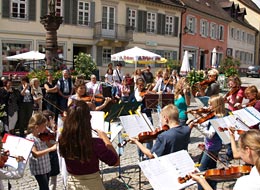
x: 235, y: 94
x: 163, y: 85
x: 80, y: 94
x: 213, y: 143
x: 249, y: 151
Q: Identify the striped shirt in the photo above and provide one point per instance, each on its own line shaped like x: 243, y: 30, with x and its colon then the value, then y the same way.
x: 40, y: 165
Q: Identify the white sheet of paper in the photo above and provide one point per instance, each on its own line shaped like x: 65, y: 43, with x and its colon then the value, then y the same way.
x: 17, y: 146
x: 246, y: 117
x: 115, y: 128
x: 163, y: 172
x: 135, y: 124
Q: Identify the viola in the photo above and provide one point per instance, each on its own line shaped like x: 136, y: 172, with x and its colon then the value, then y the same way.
x: 47, y: 136
x: 151, y: 135
x: 231, y: 92
x: 239, y: 131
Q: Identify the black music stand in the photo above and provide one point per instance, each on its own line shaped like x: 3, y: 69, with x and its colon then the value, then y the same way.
x: 114, y: 113
x: 153, y: 100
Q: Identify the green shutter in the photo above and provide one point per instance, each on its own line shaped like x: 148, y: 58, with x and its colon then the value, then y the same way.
x: 44, y: 8
x: 67, y: 11
x: 163, y: 24
x: 6, y: 8
x: 32, y: 10
x: 92, y: 14
x: 74, y: 12
x: 176, y: 26
x: 99, y: 55
x: 142, y: 17
x: 174, y: 55
x: 159, y: 26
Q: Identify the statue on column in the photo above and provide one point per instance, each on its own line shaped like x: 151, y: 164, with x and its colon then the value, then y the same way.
x: 52, y: 7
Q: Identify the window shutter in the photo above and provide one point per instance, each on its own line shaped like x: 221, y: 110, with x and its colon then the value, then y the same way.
x: 176, y: 26
x: 207, y: 29
x: 66, y: 11
x: 32, y: 10
x: 195, y: 25
x: 92, y: 14
x: 74, y: 12
x: 159, y: 24
x: 6, y: 9
x: 99, y: 55
x: 44, y: 8
x: 127, y: 16
x: 201, y: 28
x: 142, y: 17
x: 174, y: 55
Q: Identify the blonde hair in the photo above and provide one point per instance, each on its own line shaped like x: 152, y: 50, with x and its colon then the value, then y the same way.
x: 251, y: 139
x: 253, y: 90
x: 180, y: 86
x: 36, y: 119
x: 218, y: 105
x: 32, y: 82
x: 171, y: 111
x: 235, y: 79
x: 213, y: 72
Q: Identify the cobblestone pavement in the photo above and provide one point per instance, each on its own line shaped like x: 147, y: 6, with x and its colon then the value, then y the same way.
x: 130, y: 172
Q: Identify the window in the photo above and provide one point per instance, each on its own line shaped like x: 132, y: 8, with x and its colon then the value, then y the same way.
x: 19, y: 9
x: 83, y: 13
x: 169, y: 24
x: 243, y: 36
x: 151, y: 22
x: 108, y: 18
x: 58, y: 7
x: 204, y: 28
x: 213, y: 30
x: 167, y: 55
x: 221, y: 32
x: 238, y: 34
x: 232, y: 33
x: 191, y: 24
x: 106, y: 56
x: 132, y: 17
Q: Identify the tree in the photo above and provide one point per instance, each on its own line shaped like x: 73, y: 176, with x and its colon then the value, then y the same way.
x: 84, y: 64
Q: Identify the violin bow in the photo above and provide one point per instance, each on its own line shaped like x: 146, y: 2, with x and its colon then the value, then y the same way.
x: 49, y: 102
x: 214, y: 158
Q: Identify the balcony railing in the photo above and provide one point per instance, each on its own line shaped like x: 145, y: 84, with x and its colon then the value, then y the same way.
x: 113, y: 31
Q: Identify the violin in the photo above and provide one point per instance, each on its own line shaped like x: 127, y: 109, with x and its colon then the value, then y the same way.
x: 239, y: 131
x: 202, y: 119
x: 231, y: 92
x: 47, y: 136
x: 151, y: 135
x: 3, y: 157
x: 221, y: 174
x: 198, y: 111
x: 95, y: 98
x: 251, y: 103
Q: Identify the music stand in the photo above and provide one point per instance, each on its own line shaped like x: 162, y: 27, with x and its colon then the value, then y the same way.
x: 153, y: 100
x: 114, y: 113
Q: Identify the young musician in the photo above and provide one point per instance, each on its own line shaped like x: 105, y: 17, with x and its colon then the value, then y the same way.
x: 212, y: 87
x: 235, y: 94
x: 80, y: 94
x: 253, y: 96
x: 175, y: 139
x: 213, y: 143
x: 249, y: 150
x: 81, y: 151
x: 164, y: 85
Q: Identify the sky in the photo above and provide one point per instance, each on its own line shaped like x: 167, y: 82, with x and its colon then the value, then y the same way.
x: 257, y: 2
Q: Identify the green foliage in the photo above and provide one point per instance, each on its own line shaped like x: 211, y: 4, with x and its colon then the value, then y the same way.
x: 229, y: 66
x: 173, y: 65
x: 84, y: 65
x: 40, y: 74
x: 195, y: 76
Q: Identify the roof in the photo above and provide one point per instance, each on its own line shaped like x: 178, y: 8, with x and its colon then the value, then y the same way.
x: 168, y: 2
x: 250, y: 4
x: 210, y: 7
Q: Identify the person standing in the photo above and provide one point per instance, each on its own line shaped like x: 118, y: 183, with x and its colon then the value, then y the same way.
x: 25, y: 105
x: 81, y: 151
x: 37, y: 94
x: 65, y: 89
x: 148, y: 75
x: 39, y: 162
x: 51, y: 94
x: 175, y: 139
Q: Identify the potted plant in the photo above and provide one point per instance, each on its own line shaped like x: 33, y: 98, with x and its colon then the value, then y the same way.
x: 194, y: 77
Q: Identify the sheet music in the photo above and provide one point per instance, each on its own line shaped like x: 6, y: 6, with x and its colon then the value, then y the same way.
x: 17, y: 146
x: 97, y: 121
x: 115, y: 128
x: 254, y: 112
x: 163, y: 172
x: 135, y: 124
x: 247, y: 117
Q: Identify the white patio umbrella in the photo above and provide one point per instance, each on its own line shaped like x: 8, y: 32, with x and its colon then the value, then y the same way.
x: 185, y: 66
x: 29, y: 56
x: 137, y: 55
x: 214, y: 58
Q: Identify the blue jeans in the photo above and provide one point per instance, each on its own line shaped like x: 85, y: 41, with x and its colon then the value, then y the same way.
x: 43, y: 181
x: 208, y: 163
